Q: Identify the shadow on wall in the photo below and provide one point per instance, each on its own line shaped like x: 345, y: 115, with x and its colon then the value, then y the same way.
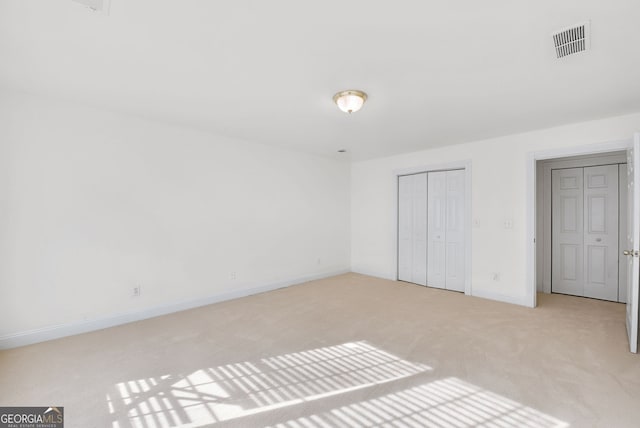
x: 277, y: 391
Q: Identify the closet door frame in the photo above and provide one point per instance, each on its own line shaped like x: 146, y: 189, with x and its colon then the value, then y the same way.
x: 459, y: 165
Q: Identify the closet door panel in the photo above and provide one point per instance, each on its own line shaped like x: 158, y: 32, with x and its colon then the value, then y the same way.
x: 419, y: 264
x: 622, y: 232
x: 437, y: 224
x: 601, y: 232
x: 455, y: 245
x: 567, y: 264
x: 405, y: 228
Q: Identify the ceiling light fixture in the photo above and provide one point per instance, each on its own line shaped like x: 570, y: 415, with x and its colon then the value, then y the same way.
x: 350, y: 101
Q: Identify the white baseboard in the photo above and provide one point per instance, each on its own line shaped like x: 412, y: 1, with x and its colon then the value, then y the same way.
x: 377, y: 274
x: 522, y: 301
x: 62, y: 330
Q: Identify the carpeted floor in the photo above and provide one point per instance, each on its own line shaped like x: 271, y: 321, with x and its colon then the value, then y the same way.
x: 345, y: 351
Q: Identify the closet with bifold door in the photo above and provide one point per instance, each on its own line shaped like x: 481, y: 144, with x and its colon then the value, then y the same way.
x: 431, y: 229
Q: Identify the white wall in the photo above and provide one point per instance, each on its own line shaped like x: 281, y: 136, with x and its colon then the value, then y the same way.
x: 94, y: 203
x: 498, y: 194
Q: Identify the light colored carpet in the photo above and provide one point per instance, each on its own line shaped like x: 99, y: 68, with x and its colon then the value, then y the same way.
x: 345, y: 351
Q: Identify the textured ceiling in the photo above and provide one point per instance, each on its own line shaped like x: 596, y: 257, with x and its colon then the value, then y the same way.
x: 437, y: 72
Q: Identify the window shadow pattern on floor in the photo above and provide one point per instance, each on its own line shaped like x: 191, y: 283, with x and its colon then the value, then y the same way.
x: 448, y: 402
x: 252, y: 390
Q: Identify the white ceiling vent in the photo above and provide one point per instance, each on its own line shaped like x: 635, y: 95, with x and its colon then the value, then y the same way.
x: 96, y: 5
x: 572, y: 40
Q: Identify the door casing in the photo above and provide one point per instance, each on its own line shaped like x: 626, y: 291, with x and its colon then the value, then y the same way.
x: 543, y: 211
x: 530, y: 191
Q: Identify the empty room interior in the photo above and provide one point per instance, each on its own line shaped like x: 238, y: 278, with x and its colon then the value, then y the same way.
x: 319, y: 214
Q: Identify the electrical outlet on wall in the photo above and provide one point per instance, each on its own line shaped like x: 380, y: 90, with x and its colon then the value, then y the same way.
x: 135, y: 291
x: 232, y: 276
x: 495, y: 276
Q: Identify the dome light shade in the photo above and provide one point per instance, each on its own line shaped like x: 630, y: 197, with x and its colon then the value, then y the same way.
x: 350, y: 101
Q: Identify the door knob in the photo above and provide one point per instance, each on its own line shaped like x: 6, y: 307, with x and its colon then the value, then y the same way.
x: 633, y: 253
x: 626, y: 252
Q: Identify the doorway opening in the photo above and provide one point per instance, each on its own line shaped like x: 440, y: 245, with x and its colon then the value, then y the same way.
x: 632, y: 251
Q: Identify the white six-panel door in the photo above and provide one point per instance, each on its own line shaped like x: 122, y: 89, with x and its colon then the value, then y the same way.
x: 567, y: 264
x: 633, y: 242
x: 412, y: 228
x: 601, y: 232
x: 585, y: 232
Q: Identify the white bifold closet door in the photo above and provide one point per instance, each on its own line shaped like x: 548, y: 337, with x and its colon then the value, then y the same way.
x: 446, y: 251
x: 412, y: 228
x: 437, y: 230
x: 431, y: 212
x: 585, y: 232
x: 455, y: 256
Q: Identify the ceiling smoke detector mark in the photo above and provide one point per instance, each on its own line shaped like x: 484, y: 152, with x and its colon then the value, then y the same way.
x: 572, y: 40
x: 101, y: 6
